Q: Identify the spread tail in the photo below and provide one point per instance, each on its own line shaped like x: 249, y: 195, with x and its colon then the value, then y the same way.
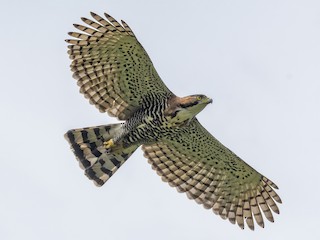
x: 99, y: 163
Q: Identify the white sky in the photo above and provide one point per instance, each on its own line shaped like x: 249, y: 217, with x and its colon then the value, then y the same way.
x: 258, y: 60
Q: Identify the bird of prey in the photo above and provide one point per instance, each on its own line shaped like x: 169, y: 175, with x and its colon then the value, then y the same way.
x: 116, y: 74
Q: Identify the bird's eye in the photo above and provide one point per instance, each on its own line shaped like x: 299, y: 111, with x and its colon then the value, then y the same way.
x: 199, y: 98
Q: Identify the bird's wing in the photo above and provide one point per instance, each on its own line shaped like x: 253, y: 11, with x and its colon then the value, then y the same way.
x: 195, y: 162
x: 112, y: 69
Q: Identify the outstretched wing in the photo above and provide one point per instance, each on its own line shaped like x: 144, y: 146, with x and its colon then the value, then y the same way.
x: 112, y: 69
x: 195, y: 162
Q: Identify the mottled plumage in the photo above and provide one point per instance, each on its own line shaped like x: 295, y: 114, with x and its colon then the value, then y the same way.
x: 116, y: 74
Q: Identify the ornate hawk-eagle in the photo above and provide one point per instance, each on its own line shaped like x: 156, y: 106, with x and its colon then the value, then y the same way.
x: 116, y: 74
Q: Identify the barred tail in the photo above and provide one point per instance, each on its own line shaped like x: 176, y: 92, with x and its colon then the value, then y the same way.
x: 87, y: 145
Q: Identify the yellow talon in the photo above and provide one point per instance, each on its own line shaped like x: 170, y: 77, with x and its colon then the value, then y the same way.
x: 109, y: 144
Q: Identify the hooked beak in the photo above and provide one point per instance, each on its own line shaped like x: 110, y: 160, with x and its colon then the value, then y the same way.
x: 208, y: 100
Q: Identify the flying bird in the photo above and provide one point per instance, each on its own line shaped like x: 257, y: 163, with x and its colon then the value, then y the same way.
x: 116, y: 74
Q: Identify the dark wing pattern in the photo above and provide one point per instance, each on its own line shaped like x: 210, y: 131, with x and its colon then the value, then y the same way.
x: 112, y: 69
x: 196, y: 163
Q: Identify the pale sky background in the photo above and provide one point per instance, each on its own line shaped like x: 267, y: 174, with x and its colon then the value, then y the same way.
x: 258, y: 60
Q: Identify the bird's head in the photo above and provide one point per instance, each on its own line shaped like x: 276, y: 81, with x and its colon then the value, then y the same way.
x: 183, y: 110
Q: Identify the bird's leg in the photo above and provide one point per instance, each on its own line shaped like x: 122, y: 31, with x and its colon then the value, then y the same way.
x: 108, y: 144
x: 112, y: 145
